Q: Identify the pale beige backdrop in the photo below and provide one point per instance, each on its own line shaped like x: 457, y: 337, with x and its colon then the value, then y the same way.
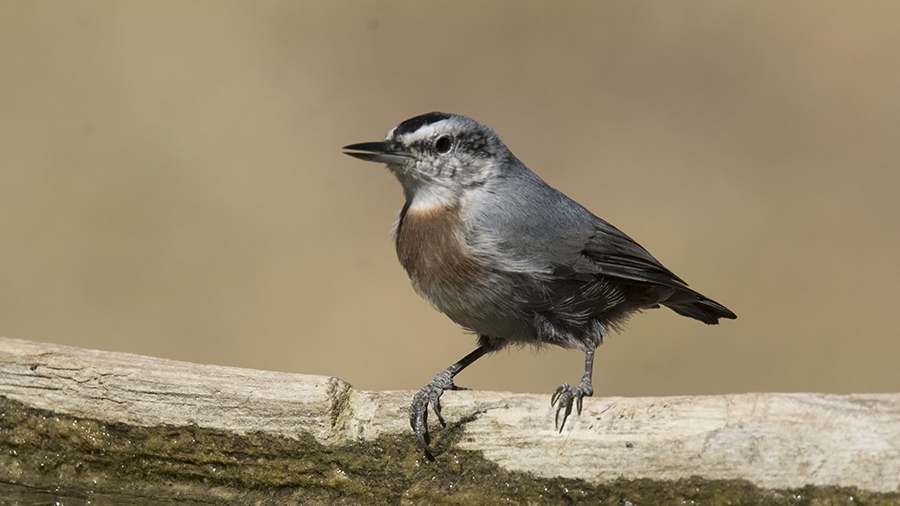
x: 172, y: 184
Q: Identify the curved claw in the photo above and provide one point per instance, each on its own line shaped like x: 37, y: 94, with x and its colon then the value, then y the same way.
x: 558, y: 393
x: 565, y: 394
x: 435, y: 401
x: 567, y: 404
x: 418, y: 420
x: 430, y: 394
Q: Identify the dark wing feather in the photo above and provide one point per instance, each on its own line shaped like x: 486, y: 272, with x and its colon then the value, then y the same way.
x: 616, y: 255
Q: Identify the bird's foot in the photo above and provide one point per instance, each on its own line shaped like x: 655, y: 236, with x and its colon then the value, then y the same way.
x: 418, y: 411
x: 566, y: 394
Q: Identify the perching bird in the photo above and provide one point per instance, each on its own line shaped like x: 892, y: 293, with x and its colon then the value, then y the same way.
x: 510, y: 258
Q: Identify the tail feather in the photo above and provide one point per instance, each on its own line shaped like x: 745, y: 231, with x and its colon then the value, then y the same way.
x: 698, y: 307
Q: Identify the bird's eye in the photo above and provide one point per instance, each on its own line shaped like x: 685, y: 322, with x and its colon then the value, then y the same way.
x: 443, y: 144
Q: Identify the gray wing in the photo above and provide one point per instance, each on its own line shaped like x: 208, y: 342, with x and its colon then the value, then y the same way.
x: 533, y: 226
x: 523, y: 225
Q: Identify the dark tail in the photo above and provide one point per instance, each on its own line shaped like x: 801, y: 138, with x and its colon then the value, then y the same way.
x: 694, y: 305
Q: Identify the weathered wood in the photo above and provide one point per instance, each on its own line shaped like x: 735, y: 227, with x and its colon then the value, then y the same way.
x: 771, y: 440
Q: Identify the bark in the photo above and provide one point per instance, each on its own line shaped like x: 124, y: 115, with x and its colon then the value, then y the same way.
x: 92, y: 422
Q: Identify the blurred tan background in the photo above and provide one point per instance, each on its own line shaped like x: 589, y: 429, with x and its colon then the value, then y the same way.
x: 172, y: 184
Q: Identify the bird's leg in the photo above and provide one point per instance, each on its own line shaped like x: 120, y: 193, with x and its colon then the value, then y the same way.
x: 566, y: 393
x: 431, y: 394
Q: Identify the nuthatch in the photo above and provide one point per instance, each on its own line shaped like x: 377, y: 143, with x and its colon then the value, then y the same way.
x: 510, y: 258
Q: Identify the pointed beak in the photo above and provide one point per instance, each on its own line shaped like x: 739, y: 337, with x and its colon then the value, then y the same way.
x: 376, y: 152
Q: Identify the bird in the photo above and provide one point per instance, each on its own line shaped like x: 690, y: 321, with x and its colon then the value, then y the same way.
x: 511, y: 259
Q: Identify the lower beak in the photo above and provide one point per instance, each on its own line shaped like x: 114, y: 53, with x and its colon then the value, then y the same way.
x: 376, y: 152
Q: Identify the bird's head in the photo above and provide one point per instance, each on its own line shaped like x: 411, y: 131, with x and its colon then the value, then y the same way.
x: 437, y: 157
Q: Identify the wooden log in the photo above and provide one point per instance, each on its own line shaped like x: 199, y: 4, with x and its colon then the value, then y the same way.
x: 95, y: 422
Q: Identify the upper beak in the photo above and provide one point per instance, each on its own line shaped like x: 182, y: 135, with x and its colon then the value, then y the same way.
x: 376, y: 152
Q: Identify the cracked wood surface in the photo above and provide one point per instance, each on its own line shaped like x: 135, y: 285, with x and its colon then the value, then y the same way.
x: 772, y: 440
